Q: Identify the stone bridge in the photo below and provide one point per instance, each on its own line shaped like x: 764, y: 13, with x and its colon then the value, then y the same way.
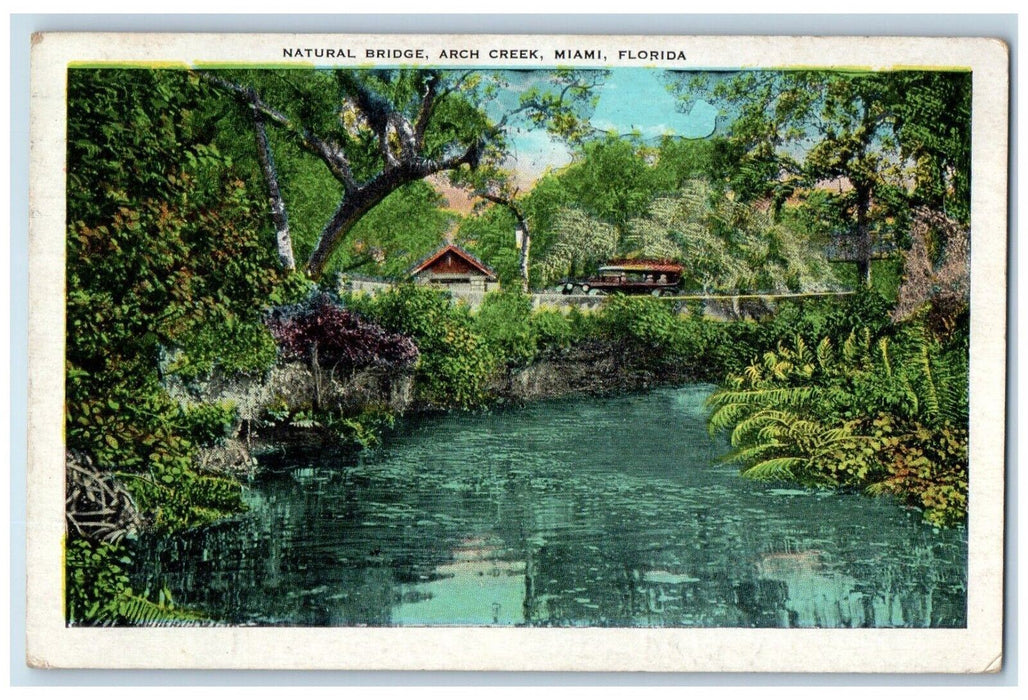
x: 719, y: 306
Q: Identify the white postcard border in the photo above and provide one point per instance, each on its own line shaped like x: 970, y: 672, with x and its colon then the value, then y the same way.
x: 978, y: 648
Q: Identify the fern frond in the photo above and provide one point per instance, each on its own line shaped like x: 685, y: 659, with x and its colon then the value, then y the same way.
x: 777, y: 469
x: 725, y: 416
x: 753, y: 453
x: 883, y: 349
x: 825, y: 353
x: 770, y: 396
x: 931, y: 398
x: 764, y: 424
x: 802, y: 351
x: 849, y: 347
x: 140, y: 611
x: 910, y: 395
x: 782, y: 370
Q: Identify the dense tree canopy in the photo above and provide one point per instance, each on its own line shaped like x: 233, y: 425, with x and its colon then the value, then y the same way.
x: 885, y: 140
x: 378, y: 130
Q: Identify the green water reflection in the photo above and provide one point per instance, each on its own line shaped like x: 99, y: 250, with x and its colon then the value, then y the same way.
x: 603, y: 512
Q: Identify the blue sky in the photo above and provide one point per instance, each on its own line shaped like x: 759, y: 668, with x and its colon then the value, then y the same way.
x: 632, y: 100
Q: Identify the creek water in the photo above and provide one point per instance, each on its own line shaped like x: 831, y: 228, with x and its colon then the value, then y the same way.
x: 593, y: 511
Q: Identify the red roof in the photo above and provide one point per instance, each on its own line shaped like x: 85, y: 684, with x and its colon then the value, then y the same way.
x: 459, y: 252
x: 644, y: 265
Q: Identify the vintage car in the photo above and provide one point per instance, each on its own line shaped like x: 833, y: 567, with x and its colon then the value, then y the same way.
x: 656, y: 277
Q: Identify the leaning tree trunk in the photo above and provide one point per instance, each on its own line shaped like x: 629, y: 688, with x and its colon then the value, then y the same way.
x: 401, y: 145
x: 283, y: 238
x: 346, y: 216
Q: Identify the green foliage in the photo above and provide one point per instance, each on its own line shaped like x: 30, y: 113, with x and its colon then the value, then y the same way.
x: 611, y: 180
x: 292, y: 289
x: 172, y: 496
x: 505, y: 323
x: 98, y: 590
x: 728, y: 246
x: 233, y: 347
x: 209, y: 424
x: 652, y: 335
x: 555, y: 331
x: 351, y: 431
x: 489, y: 236
x: 456, y: 362
x: 927, y: 467
x: 647, y: 323
x: 580, y: 243
x: 680, y: 160
x: 857, y: 149
x: 168, y: 271
x: 364, y: 431
x: 881, y: 411
x: 934, y: 130
x: 886, y: 276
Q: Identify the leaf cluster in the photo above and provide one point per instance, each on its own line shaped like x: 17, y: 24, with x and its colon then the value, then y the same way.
x: 321, y: 331
x: 869, y: 410
x: 456, y: 363
x: 98, y: 591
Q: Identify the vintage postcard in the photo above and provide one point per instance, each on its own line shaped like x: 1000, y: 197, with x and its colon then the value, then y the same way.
x: 517, y: 352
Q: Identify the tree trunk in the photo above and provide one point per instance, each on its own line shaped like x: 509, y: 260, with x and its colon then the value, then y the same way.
x: 521, y: 224
x: 526, y: 243
x: 278, y: 206
x: 346, y: 216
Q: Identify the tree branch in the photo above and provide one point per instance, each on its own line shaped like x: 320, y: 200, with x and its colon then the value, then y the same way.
x: 522, y: 225
x: 471, y: 156
x: 428, y: 99
x: 331, y: 154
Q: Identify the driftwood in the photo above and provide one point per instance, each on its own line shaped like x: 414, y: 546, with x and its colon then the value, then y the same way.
x: 97, y: 505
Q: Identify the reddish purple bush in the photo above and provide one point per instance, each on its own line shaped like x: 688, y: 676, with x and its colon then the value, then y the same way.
x: 342, y: 339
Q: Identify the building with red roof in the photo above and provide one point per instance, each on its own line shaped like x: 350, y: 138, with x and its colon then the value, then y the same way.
x: 454, y: 268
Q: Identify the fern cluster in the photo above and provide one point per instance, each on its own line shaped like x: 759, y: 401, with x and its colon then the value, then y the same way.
x: 99, y: 593
x: 883, y: 412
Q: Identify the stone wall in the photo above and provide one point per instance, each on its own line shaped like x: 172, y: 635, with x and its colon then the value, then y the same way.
x: 294, y: 385
x: 290, y: 386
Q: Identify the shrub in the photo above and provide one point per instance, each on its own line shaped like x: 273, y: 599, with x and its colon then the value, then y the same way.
x: 886, y: 413
x: 456, y: 362
x: 339, y: 337
x: 505, y: 323
x: 553, y: 330
x: 210, y: 423
x: 645, y: 328
x: 657, y: 338
x: 231, y: 345
x: 926, y: 468
x: 363, y: 431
